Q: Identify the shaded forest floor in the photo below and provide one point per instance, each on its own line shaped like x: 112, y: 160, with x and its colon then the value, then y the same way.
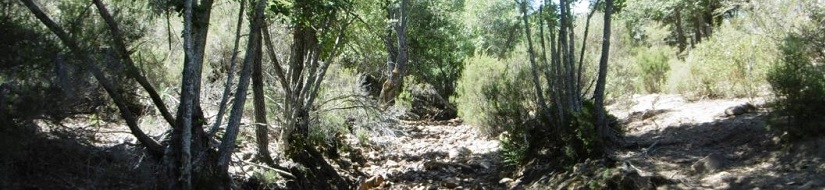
x: 686, y: 145
x: 697, y: 146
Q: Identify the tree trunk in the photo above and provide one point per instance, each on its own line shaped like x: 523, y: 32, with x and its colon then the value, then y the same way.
x: 261, y: 127
x: 153, y: 147
x: 253, y: 47
x: 186, y: 108
x: 132, y: 70
x: 534, y: 68
x: 680, y: 31
x: 398, y: 66
x: 230, y: 74
x: 584, y: 44
x: 602, y: 127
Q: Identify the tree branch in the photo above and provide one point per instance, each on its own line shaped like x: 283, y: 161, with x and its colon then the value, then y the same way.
x: 154, y: 148
x: 120, y: 46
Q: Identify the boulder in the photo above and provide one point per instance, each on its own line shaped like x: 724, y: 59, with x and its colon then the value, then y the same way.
x: 740, y: 109
x: 428, y: 104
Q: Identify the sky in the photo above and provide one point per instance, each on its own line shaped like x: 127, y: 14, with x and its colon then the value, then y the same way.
x: 580, y: 7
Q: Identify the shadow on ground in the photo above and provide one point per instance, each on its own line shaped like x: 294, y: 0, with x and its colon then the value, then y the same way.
x: 65, y: 158
x: 749, y: 155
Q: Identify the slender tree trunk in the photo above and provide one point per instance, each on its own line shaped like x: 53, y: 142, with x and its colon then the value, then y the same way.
x: 534, y: 68
x: 253, y: 46
x: 200, y: 30
x: 261, y: 127
x: 680, y: 31
x: 132, y: 70
x: 153, y: 147
x: 554, y: 76
x: 230, y: 74
x: 187, y: 100
x: 584, y: 44
x: 602, y: 128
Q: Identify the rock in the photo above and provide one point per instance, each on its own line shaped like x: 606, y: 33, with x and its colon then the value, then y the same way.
x: 710, y: 163
x: 460, y: 154
x: 811, y: 184
x: 370, y: 183
x: 427, y: 103
x: 435, y: 165
x: 450, y: 183
x: 391, y: 163
x: 721, y: 180
x: 505, y: 180
x: 740, y: 109
x: 246, y: 156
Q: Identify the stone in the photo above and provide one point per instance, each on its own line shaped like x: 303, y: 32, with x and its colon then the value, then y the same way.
x: 505, y: 181
x: 811, y: 184
x: 740, y: 109
x: 450, y: 183
x: 721, y: 180
x: 371, y: 183
x: 427, y: 103
x: 710, y: 163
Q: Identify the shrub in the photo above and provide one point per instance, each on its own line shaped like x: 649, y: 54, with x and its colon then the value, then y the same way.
x: 731, y: 64
x: 493, y: 95
x: 799, y: 86
x: 653, y: 65
x: 498, y: 96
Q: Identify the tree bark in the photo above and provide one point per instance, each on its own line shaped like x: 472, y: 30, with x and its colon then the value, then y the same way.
x: 602, y: 127
x: 187, y: 103
x: 261, y: 126
x: 680, y: 31
x: 253, y: 46
x: 398, y: 69
x: 534, y: 68
x: 584, y: 44
x: 230, y: 74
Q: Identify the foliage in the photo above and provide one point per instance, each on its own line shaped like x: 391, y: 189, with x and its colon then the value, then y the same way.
x: 267, y: 178
x: 513, y: 149
x: 491, y: 95
x: 47, y: 81
x: 798, y: 80
x: 730, y: 64
x: 492, y: 25
x: 654, y: 67
x: 437, y: 44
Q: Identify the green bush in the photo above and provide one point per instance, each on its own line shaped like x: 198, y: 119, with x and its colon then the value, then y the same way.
x: 498, y: 97
x: 493, y: 95
x: 653, y: 65
x: 799, y: 86
x: 731, y: 64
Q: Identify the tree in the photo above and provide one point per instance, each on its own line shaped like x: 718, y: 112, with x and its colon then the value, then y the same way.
x: 397, y: 59
x: 493, y: 26
x: 317, y: 36
x: 188, y: 161
x: 567, y: 118
x: 437, y: 44
x: 601, y: 121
